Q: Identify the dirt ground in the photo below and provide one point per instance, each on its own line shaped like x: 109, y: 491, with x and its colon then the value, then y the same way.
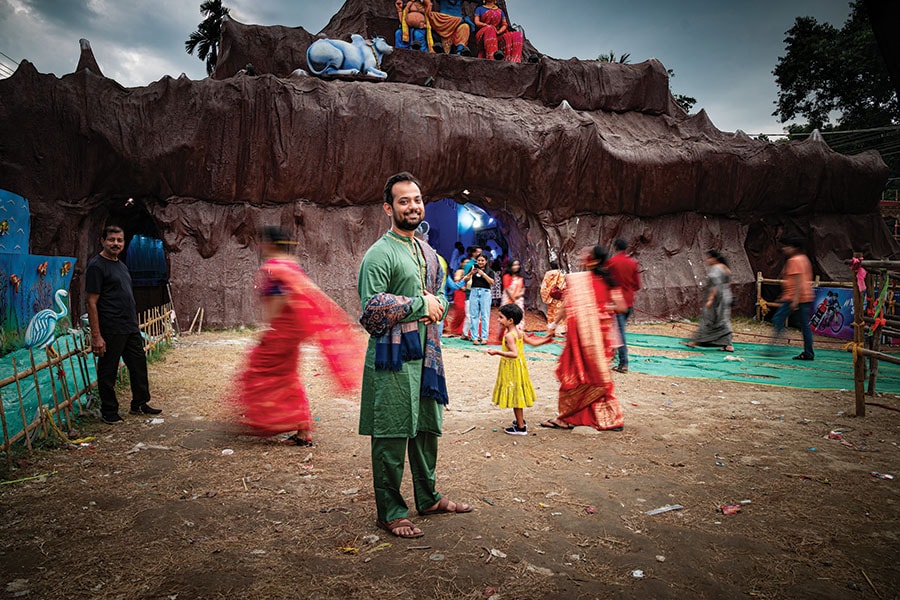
x: 184, y: 509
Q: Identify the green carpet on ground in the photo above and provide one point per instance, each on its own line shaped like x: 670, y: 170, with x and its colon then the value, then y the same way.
x: 750, y: 363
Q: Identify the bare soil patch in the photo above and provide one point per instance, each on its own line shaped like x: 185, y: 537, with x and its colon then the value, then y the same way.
x: 160, y: 511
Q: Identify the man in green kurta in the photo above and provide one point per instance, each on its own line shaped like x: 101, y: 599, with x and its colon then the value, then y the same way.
x: 403, y: 389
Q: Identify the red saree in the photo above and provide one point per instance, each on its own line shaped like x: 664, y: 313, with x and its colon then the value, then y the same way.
x: 271, y: 396
x: 586, y: 394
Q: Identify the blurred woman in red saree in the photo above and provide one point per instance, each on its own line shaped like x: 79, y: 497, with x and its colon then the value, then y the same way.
x: 271, y: 397
x: 586, y: 392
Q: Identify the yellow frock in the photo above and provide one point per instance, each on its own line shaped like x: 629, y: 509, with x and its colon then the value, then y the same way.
x: 513, y: 388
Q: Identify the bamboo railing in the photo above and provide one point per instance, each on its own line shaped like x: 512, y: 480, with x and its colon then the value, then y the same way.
x: 56, y: 401
x: 878, y: 274
x: 763, y: 306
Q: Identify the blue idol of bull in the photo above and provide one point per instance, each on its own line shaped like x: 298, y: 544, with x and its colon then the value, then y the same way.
x: 357, y: 57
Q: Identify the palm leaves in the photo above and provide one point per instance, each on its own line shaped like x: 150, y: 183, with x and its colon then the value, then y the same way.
x: 206, y: 39
x: 611, y: 58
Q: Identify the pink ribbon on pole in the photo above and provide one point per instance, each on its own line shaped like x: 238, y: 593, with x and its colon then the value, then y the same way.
x: 856, y: 265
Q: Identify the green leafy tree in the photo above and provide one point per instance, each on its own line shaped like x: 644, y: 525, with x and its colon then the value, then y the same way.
x: 835, y: 73
x: 208, y: 35
x: 839, y: 74
x: 686, y: 102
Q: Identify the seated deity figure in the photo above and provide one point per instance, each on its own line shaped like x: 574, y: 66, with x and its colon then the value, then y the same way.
x: 495, y: 40
x: 419, y: 21
x: 415, y: 30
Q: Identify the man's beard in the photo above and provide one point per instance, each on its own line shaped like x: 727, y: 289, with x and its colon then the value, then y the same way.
x: 406, y: 225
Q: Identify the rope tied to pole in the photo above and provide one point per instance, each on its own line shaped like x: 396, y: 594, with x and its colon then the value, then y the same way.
x: 853, y: 347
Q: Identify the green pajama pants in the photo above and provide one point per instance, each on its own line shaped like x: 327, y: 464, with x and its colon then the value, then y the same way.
x: 388, y: 458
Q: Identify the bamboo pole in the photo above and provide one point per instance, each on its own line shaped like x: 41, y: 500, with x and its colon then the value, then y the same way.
x: 53, y: 393
x: 7, y: 445
x: 859, y: 364
x: 879, y: 355
x: 197, y: 314
x: 200, y: 324
x: 879, y: 264
x: 22, y: 407
x: 875, y: 337
x: 37, y: 386
x: 70, y: 355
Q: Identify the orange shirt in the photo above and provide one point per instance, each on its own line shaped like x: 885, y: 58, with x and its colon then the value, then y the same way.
x: 797, y: 265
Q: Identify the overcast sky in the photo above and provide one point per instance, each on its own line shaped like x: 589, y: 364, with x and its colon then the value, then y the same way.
x: 722, y: 51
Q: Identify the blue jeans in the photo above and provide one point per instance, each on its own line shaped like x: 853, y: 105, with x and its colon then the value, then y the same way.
x: 621, y: 318
x: 480, y: 312
x: 779, y: 320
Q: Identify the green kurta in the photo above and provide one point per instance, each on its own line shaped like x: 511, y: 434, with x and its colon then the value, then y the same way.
x: 391, y: 403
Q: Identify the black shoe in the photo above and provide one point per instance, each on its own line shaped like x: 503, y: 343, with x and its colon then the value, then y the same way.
x: 145, y: 409
x: 516, y: 430
x: 803, y: 356
x: 112, y: 420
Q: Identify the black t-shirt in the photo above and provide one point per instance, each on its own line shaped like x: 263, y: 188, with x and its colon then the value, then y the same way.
x: 115, y: 307
x: 480, y: 282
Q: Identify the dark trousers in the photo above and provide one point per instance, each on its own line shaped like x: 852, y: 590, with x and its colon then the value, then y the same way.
x: 388, y: 459
x: 130, y: 348
x: 621, y: 319
x: 779, y: 319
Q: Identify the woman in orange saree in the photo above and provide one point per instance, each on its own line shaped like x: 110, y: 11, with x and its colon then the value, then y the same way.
x: 271, y: 398
x: 586, y: 391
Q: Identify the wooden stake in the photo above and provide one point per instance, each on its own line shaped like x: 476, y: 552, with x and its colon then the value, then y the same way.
x: 197, y: 314
x: 859, y: 362
x: 22, y: 406
x: 7, y: 445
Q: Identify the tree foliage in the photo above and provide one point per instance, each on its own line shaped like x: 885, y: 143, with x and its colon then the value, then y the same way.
x: 611, y: 58
x: 209, y: 32
x: 835, y: 73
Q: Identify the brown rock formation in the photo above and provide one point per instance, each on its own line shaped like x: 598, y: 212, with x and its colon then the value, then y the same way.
x: 565, y: 153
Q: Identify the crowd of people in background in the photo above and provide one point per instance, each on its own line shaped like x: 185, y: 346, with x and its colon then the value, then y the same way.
x: 407, y: 291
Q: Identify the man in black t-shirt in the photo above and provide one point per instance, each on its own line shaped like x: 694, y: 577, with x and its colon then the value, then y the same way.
x: 114, y: 328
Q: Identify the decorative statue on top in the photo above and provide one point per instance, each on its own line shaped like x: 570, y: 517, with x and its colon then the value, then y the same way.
x: 418, y: 21
x: 495, y: 40
x: 337, y: 57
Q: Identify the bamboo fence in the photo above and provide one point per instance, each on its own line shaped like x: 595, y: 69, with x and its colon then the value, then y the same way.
x: 763, y: 306
x: 868, y: 331
x: 57, y: 403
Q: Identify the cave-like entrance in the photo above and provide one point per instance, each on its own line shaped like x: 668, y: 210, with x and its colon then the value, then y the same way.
x: 144, y: 252
x: 463, y: 219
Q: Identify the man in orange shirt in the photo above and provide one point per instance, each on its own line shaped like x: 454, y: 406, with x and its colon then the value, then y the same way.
x: 796, y: 293
x: 626, y: 272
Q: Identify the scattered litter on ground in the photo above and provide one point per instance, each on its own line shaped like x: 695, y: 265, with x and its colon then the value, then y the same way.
x: 664, y: 509
x: 142, y: 446
x: 878, y: 475
x: 730, y: 509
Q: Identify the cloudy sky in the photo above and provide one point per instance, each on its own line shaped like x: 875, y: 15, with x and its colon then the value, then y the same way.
x: 722, y: 51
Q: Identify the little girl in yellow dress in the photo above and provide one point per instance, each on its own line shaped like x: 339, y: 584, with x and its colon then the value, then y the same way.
x: 513, y: 388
